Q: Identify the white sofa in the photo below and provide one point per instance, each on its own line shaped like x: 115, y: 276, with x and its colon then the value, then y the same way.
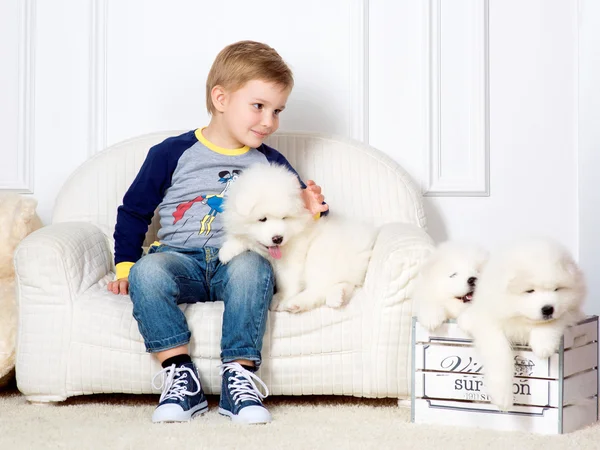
x: 75, y: 338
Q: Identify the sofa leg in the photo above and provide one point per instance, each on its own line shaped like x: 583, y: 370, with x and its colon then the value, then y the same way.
x: 44, y: 400
x: 404, y: 403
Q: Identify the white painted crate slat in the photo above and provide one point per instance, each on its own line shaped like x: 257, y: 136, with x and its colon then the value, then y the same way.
x: 464, y: 359
x: 527, y: 391
x: 530, y: 419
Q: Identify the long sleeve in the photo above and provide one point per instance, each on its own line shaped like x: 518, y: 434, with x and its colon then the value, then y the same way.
x: 145, y: 195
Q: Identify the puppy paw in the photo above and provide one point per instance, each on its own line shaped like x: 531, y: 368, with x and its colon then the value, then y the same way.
x: 466, y: 322
x: 277, y: 302
x: 288, y: 306
x: 230, y: 250
x: 432, y: 318
x: 282, y: 302
x: 543, y: 345
x: 226, y: 254
x: 335, y: 300
x: 337, y: 295
x: 543, y: 350
x: 503, y: 400
x: 500, y: 393
x: 293, y: 305
x: 293, y: 308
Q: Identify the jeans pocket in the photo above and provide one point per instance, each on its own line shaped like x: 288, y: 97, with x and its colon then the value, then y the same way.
x: 154, y: 247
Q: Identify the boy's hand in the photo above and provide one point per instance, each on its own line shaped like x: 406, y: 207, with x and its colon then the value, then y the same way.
x: 120, y: 286
x: 313, y: 198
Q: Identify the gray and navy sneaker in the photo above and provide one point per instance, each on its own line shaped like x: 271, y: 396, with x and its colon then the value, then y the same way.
x: 182, y: 397
x: 241, y: 400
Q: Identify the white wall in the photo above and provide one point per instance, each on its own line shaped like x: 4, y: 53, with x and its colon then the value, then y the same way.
x: 589, y: 147
x: 485, y: 103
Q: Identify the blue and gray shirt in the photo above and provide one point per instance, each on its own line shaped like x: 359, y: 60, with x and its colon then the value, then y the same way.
x: 187, y: 178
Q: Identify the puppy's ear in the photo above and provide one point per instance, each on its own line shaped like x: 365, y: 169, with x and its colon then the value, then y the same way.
x: 237, y: 205
x: 516, y: 283
x: 244, y: 204
x: 570, y: 267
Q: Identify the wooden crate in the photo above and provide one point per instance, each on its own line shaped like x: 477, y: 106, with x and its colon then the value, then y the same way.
x: 553, y: 395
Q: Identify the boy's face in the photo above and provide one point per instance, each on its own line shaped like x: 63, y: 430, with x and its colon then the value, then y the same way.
x: 251, y: 113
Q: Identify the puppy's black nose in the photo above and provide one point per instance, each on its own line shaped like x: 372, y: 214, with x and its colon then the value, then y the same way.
x: 277, y: 239
x: 471, y: 281
x: 547, y: 310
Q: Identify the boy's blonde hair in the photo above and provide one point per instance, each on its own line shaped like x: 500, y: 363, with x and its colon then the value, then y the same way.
x: 244, y: 61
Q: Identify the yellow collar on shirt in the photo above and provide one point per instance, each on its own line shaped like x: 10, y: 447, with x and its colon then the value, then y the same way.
x: 216, y: 148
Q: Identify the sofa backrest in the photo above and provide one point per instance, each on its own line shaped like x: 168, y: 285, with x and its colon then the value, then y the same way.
x: 359, y: 182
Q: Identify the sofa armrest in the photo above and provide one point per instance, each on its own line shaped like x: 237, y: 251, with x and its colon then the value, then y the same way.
x: 60, y: 261
x: 53, y: 266
x: 399, y: 251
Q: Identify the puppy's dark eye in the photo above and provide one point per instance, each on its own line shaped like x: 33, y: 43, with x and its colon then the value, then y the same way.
x: 453, y: 275
x: 530, y: 291
x: 264, y: 219
x: 557, y: 289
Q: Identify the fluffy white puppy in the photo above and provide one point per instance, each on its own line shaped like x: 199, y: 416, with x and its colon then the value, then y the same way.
x: 528, y: 293
x: 446, y: 281
x: 315, y: 262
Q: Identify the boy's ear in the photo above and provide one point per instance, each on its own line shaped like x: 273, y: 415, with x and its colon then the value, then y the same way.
x: 219, y: 98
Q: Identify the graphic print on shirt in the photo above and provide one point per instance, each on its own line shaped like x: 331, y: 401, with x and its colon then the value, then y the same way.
x: 214, y: 202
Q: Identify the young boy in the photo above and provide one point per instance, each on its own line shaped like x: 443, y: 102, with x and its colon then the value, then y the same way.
x: 187, y: 178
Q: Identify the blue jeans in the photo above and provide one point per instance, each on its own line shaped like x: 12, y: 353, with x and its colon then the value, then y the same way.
x: 169, y: 276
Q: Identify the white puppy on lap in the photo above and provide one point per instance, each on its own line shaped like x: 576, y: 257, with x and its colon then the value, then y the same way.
x: 528, y: 293
x: 316, y: 262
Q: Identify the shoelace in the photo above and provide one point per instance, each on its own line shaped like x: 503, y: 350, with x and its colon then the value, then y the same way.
x: 174, y: 382
x: 242, y: 384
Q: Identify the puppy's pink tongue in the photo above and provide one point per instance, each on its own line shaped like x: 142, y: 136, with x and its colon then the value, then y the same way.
x: 275, y: 252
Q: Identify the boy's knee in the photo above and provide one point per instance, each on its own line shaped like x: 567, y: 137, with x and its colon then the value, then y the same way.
x: 249, y: 283
x: 250, y: 263
x: 148, y: 271
x: 250, y: 269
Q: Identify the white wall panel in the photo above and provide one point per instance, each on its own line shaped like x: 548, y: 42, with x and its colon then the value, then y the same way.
x: 62, y: 48
x: 456, y: 98
x: 397, y: 82
x: 98, y: 29
x: 17, y: 53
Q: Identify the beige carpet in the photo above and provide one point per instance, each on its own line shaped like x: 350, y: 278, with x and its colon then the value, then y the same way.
x: 123, y: 422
